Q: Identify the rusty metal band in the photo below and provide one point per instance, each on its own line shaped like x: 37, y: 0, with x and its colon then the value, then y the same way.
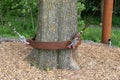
x: 49, y: 45
x: 56, y: 45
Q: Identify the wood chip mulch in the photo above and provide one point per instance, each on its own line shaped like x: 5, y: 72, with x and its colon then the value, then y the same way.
x: 96, y: 61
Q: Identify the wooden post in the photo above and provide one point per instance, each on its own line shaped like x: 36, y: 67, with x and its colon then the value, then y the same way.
x: 107, y: 20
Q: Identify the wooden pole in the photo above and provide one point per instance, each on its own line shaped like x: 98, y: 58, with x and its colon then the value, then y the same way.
x: 107, y: 20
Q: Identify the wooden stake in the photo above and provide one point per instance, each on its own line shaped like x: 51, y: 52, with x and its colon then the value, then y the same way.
x: 107, y: 20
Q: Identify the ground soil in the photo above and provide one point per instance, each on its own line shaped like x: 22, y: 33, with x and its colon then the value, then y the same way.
x: 96, y: 62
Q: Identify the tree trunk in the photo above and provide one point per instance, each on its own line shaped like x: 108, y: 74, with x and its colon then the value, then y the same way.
x: 57, y: 22
x: 102, y: 7
x: 115, y: 7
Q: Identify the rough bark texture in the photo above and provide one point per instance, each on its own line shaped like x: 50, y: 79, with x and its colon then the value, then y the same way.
x: 68, y: 27
x: 57, y: 22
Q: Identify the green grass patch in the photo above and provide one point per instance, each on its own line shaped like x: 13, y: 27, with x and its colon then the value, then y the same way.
x: 22, y: 24
x: 115, y: 37
x: 94, y: 34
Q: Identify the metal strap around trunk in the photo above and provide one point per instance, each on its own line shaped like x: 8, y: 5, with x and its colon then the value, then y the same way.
x: 49, y: 45
x: 56, y: 45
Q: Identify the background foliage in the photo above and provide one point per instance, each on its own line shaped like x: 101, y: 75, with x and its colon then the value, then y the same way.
x: 23, y: 16
x: 18, y: 7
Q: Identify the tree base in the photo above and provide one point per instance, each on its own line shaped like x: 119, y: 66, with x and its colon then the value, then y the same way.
x: 52, y: 60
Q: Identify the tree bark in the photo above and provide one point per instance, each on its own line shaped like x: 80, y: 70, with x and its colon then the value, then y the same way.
x: 57, y: 22
x: 102, y: 7
x: 68, y: 28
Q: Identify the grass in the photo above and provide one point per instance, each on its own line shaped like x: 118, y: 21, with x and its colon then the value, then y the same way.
x: 115, y: 37
x: 24, y: 27
x: 91, y: 33
x: 94, y: 34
